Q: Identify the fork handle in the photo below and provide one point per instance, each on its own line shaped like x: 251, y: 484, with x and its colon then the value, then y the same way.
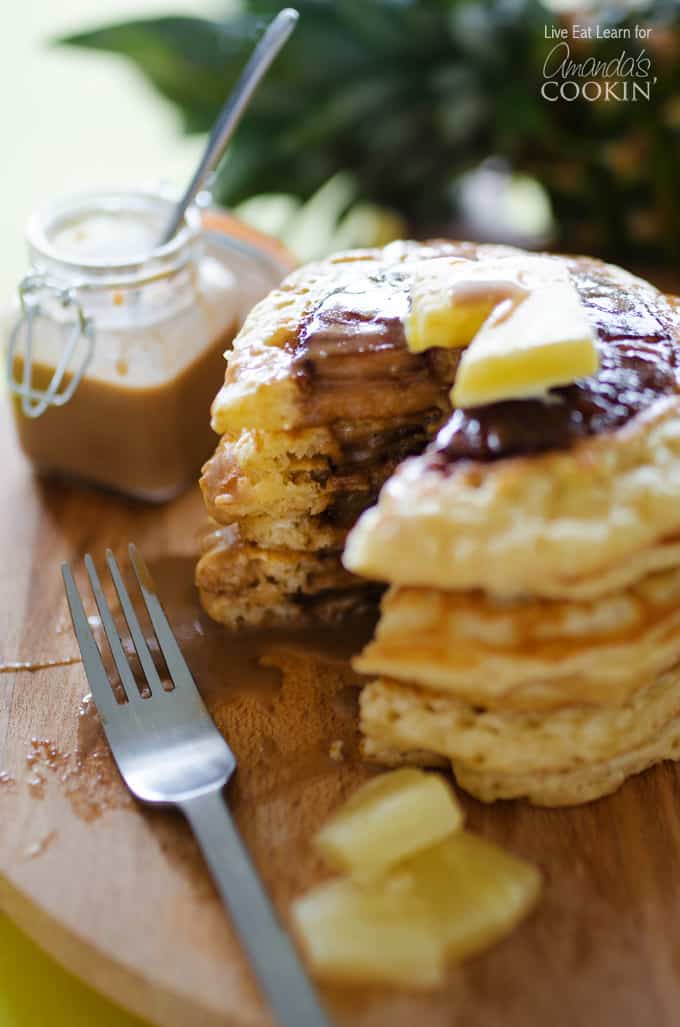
x: 276, y: 964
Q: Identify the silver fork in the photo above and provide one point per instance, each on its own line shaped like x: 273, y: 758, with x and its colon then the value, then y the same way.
x: 169, y: 751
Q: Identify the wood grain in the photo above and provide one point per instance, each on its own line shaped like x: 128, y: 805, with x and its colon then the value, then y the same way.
x: 119, y: 895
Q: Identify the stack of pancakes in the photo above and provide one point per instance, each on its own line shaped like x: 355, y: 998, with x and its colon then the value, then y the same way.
x: 530, y: 635
x: 321, y: 402
x: 531, y: 631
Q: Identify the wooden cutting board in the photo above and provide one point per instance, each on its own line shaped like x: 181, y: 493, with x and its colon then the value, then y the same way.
x: 119, y: 894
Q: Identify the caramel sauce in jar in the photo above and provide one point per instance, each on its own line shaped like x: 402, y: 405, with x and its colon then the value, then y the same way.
x: 151, y: 325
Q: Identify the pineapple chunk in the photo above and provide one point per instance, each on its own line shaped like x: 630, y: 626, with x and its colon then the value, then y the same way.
x: 543, y: 341
x: 520, y: 317
x: 384, y: 935
x: 451, y: 900
x: 451, y: 298
x: 475, y: 891
x: 387, y: 819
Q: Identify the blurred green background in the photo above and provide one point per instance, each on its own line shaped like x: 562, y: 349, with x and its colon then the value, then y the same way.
x: 72, y: 119
x: 380, y: 118
x: 432, y: 116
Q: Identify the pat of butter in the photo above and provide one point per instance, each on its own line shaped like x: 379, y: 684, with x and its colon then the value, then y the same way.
x: 521, y: 351
x: 451, y: 298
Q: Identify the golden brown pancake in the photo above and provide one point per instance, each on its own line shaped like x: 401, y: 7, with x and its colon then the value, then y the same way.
x: 242, y: 583
x: 529, y: 653
x: 550, y: 788
x: 516, y: 742
x: 321, y: 402
x: 570, y: 495
x: 530, y: 635
x: 531, y: 631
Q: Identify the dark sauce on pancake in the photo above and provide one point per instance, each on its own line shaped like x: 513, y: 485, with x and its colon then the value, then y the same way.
x: 357, y: 330
x: 356, y: 334
x: 353, y: 370
x: 638, y: 365
x: 363, y: 315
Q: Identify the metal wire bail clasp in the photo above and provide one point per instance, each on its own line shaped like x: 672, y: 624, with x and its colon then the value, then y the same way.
x: 32, y: 291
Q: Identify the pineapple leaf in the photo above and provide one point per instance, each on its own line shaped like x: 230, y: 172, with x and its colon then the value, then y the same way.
x: 408, y: 95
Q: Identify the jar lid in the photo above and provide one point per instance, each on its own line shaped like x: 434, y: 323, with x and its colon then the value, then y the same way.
x: 107, y: 236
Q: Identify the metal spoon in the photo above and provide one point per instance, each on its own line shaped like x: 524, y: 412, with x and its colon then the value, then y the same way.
x: 264, y: 53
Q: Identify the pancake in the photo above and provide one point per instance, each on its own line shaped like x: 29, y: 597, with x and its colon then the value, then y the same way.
x: 572, y: 787
x: 305, y: 488
x: 275, y: 487
x: 328, y: 344
x: 601, y: 516
x: 531, y: 633
x: 553, y: 788
x: 322, y: 401
x: 242, y: 584
x: 528, y: 653
x: 587, y: 479
x: 515, y: 742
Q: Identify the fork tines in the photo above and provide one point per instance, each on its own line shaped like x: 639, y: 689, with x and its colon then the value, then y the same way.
x: 101, y: 687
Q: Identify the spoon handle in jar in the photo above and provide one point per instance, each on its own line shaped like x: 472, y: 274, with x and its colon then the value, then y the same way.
x: 264, y: 53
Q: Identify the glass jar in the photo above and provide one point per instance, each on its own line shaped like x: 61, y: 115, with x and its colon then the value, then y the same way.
x: 117, y: 349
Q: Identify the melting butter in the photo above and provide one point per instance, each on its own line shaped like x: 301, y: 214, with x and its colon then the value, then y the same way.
x: 519, y: 319
x: 543, y: 342
x: 451, y: 299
